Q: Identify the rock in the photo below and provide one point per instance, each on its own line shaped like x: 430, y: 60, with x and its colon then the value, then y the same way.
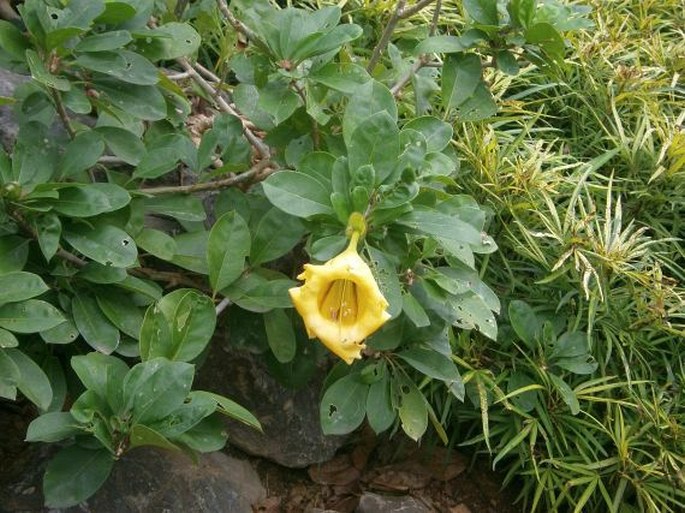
x: 289, y: 417
x: 8, y: 127
x: 166, y: 482
x: 375, y: 503
x: 147, y: 480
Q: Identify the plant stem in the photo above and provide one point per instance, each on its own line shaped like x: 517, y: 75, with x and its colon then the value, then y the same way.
x: 411, y: 11
x: 253, y: 173
x: 385, y: 37
x: 223, y: 304
x: 62, y: 113
x: 255, y: 141
x: 235, y: 22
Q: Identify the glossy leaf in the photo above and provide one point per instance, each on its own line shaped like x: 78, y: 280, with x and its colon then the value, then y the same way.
x: 19, y: 286
x: 92, y: 324
x: 343, y: 406
x: 75, y: 474
x: 30, y: 316
x: 227, y: 248
x: 107, y: 245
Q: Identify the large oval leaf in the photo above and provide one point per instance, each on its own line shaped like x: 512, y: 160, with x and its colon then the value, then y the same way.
x: 30, y: 316
x: 297, y: 194
x: 18, y: 286
x: 228, y: 245
x: 107, y: 245
x: 93, y: 325
x: 343, y: 406
x: 86, y: 200
x: 75, y: 474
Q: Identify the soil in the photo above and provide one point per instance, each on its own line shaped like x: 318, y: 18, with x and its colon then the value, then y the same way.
x: 444, y: 481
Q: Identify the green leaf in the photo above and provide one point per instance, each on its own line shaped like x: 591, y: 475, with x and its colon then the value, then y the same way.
x: 40, y: 73
x: 7, y: 339
x: 369, y: 99
x: 102, y: 375
x: 116, y: 12
x: 375, y: 141
x: 13, y: 41
x: 30, y: 316
x: 63, y: 333
x: 344, y: 77
x: 179, y: 206
x: 156, y: 243
x: 48, y: 230
x: 142, y: 435
x: 32, y: 381
x: 506, y: 62
x: 438, y: 133
x: 87, y: 200
x: 124, y: 65
x: 53, y: 427
x: 207, y: 436
x: 431, y: 363
x: 257, y: 294
x: 274, y: 236
x: 385, y: 273
x: 526, y: 324
x: 227, y: 248
x: 19, y: 285
x: 191, y: 251
x: 106, y: 245
x: 14, y: 251
x: 450, y: 44
x: 522, y: 12
x: 145, y: 288
x: 461, y: 74
x: 140, y: 101
x: 179, y: 326
x: 94, y: 327
x: 480, y: 105
x: 104, y: 42
x: 413, y: 309
x: 9, y: 376
x: 124, y: 144
x: 121, y: 312
x: 280, y: 335
x: 197, y: 406
x: 566, y: 393
x: 155, y: 388
x: 168, y: 41
x: 278, y: 100
x: 413, y: 411
x: 81, y: 154
x: 343, y: 406
x: 431, y: 222
x: 297, y: 194
x: 233, y: 410
x: 482, y: 11
x: 548, y: 38
x: 379, y: 410
x: 102, y: 274
x: 75, y: 474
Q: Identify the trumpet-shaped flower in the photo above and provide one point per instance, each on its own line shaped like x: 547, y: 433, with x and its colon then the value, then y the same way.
x: 340, y: 302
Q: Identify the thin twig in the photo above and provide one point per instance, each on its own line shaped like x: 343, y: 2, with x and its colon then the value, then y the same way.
x: 404, y: 79
x: 223, y: 304
x: 256, y: 172
x: 411, y: 11
x: 235, y: 22
x: 385, y: 37
x: 62, y: 113
x: 436, y: 18
x: 423, y: 59
x: 255, y: 141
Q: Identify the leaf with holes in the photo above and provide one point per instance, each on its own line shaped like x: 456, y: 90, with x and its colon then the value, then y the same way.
x: 107, y: 245
x: 343, y: 406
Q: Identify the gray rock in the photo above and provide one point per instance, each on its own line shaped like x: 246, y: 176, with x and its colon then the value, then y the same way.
x: 8, y: 127
x: 289, y: 417
x: 375, y: 503
x: 148, y: 480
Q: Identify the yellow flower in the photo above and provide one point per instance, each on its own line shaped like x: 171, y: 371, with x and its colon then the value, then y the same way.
x: 340, y: 302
